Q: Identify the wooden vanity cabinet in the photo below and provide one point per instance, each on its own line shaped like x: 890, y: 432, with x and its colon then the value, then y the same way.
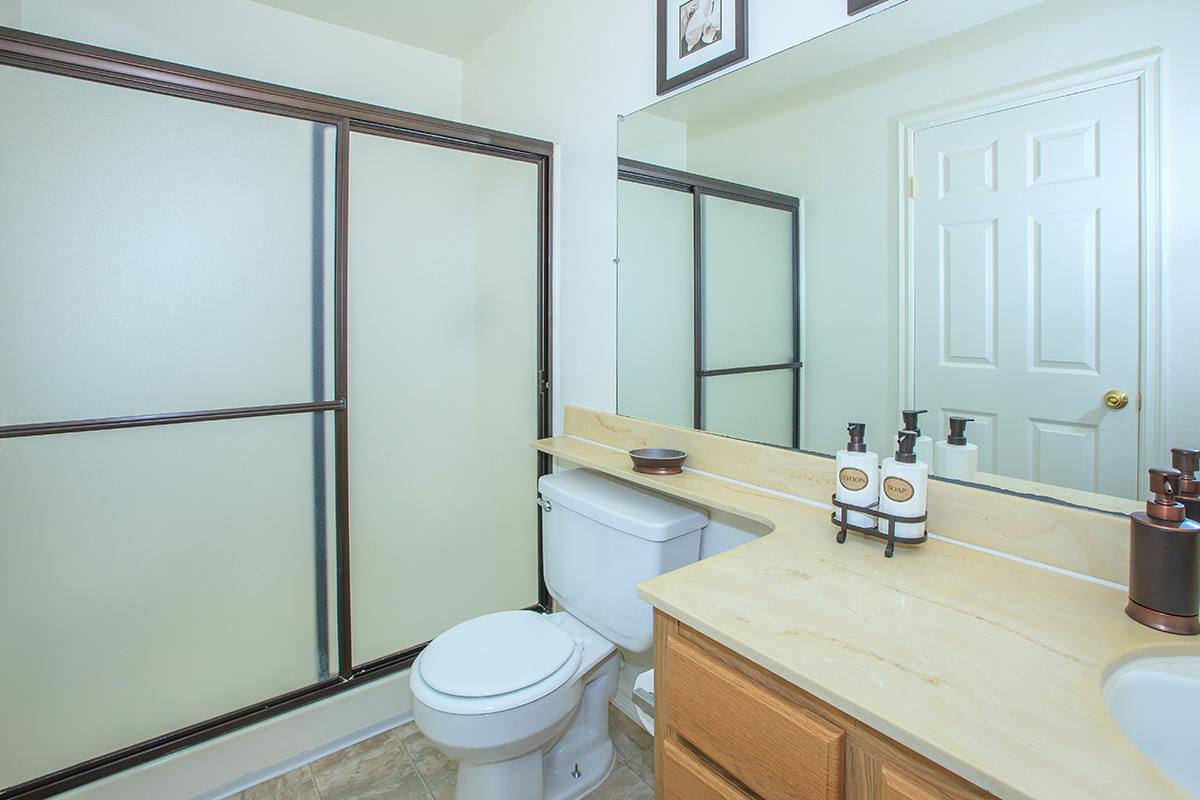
x: 727, y: 729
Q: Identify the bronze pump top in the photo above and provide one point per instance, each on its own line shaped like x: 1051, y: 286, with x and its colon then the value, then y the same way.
x: 1164, y: 482
x: 857, y: 431
x: 907, y: 445
x: 1187, y: 462
x: 958, y: 430
x: 911, y: 423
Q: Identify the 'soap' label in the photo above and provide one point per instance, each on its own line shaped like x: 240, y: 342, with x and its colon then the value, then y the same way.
x: 853, y: 478
x: 897, y: 489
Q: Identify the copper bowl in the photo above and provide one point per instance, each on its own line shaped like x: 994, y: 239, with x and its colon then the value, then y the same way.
x: 657, y: 461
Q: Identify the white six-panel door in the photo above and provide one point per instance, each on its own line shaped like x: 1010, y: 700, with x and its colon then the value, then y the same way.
x: 1026, y: 225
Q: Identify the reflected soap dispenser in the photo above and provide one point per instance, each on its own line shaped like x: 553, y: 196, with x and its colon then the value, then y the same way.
x: 857, y: 476
x: 956, y: 458
x: 904, y: 487
x: 1164, y: 560
x: 924, y: 447
x: 1187, y: 462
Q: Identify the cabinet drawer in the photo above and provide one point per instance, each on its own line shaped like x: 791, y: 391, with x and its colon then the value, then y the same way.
x: 685, y: 777
x: 778, y: 750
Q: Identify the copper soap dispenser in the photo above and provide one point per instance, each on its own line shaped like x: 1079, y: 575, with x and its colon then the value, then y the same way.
x: 1164, y: 560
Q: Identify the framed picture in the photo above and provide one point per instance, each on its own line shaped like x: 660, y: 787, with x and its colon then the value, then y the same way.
x: 855, y: 6
x: 698, y: 37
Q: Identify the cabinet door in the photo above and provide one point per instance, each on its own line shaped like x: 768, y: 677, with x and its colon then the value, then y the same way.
x: 686, y: 777
x: 775, y: 748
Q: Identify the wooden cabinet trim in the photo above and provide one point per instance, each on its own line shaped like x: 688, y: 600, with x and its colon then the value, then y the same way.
x: 896, y: 785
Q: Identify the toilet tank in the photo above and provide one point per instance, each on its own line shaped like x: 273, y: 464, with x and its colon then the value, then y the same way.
x: 600, y: 539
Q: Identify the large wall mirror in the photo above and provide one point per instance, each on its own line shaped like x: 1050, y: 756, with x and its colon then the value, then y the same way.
x: 978, y: 209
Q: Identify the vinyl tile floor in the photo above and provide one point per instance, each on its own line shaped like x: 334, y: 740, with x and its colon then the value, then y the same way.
x: 401, y: 764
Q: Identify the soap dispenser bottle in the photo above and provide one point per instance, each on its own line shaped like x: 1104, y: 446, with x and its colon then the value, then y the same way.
x: 956, y: 458
x: 924, y: 448
x: 1164, y: 560
x: 1187, y: 462
x: 904, y: 487
x: 857, y: 476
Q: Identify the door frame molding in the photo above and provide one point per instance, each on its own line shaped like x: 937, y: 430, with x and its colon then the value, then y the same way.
x: 1143, y: 68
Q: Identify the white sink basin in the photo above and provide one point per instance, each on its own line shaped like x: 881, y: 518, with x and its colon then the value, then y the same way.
x: 1156, y: 702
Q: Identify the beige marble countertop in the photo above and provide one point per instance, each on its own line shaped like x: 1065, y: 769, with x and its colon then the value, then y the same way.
x: 989, y: 667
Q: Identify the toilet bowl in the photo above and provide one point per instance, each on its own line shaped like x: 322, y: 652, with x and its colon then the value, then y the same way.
x: 520, y: 699
x: 548, y: 739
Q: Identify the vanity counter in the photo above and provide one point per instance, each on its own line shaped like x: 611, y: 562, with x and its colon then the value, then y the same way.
x: 990, y: 667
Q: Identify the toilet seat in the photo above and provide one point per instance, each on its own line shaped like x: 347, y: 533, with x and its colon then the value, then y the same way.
x: 494, y: 663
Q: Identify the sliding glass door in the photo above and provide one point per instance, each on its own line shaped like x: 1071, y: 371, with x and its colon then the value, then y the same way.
x: 270, y: 364
x: 442, y: 274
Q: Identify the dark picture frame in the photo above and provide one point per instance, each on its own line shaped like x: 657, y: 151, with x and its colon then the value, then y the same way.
x: 855, y: 6
x: 738, y: 53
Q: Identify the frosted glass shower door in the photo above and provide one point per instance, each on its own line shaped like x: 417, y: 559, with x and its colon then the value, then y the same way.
x: 748, y: 320
x: 443, y: 307
x: 655, y: 336
x: 158, y: 256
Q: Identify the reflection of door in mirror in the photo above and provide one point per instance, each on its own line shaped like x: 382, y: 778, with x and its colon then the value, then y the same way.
x: 1026, y: 226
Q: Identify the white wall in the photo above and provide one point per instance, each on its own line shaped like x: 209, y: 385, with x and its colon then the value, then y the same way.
x: 10, y: 13
x: 563, y: 71
x: 833, y: 143
x: 645, y: 136
x: 252, y: 40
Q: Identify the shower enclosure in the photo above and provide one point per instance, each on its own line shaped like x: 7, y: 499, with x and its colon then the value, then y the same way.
x: 270, y: 363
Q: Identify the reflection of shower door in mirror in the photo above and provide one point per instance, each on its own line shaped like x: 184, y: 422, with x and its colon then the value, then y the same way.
x: 708, y: 310
x: 748, y: 321
x: 1027, y: 230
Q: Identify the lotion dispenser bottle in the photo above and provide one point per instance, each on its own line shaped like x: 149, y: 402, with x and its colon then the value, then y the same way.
x: 857, y: 476
x: 924, y: 448
x: 905, y: 485
x: 956, y: 458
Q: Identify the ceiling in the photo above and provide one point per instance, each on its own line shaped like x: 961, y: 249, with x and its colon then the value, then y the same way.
x: 452, y: 27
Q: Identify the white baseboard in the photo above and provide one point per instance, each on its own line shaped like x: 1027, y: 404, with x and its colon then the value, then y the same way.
x: 228, y: 764
x: 625, y: 705
x: 307, y: 757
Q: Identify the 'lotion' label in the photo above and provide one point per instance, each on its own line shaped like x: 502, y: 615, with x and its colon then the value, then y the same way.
x: 897, y: 489
x: 853, y: 478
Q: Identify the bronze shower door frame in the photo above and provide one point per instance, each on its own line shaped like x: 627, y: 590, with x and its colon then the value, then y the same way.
x: 70, y: 59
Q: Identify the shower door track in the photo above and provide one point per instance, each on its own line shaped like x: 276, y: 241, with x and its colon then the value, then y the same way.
x: 46, y: 54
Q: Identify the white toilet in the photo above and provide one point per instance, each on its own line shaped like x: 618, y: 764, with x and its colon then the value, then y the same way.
x: 520, y: 699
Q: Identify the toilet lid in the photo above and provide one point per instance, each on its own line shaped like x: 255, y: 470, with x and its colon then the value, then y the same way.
x: 495, y: 654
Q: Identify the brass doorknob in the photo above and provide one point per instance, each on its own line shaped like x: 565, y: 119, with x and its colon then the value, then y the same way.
x: 1116, y: 399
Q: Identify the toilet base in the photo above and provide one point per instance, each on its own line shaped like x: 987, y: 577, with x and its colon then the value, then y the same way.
x: 549, y: 773
x: 594, y: 767
x: 535, y: 775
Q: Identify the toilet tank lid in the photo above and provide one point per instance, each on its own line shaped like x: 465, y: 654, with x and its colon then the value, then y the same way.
x: 619, y: 505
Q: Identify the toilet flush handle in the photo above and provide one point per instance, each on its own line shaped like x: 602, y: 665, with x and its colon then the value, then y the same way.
x: 544, y: 504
